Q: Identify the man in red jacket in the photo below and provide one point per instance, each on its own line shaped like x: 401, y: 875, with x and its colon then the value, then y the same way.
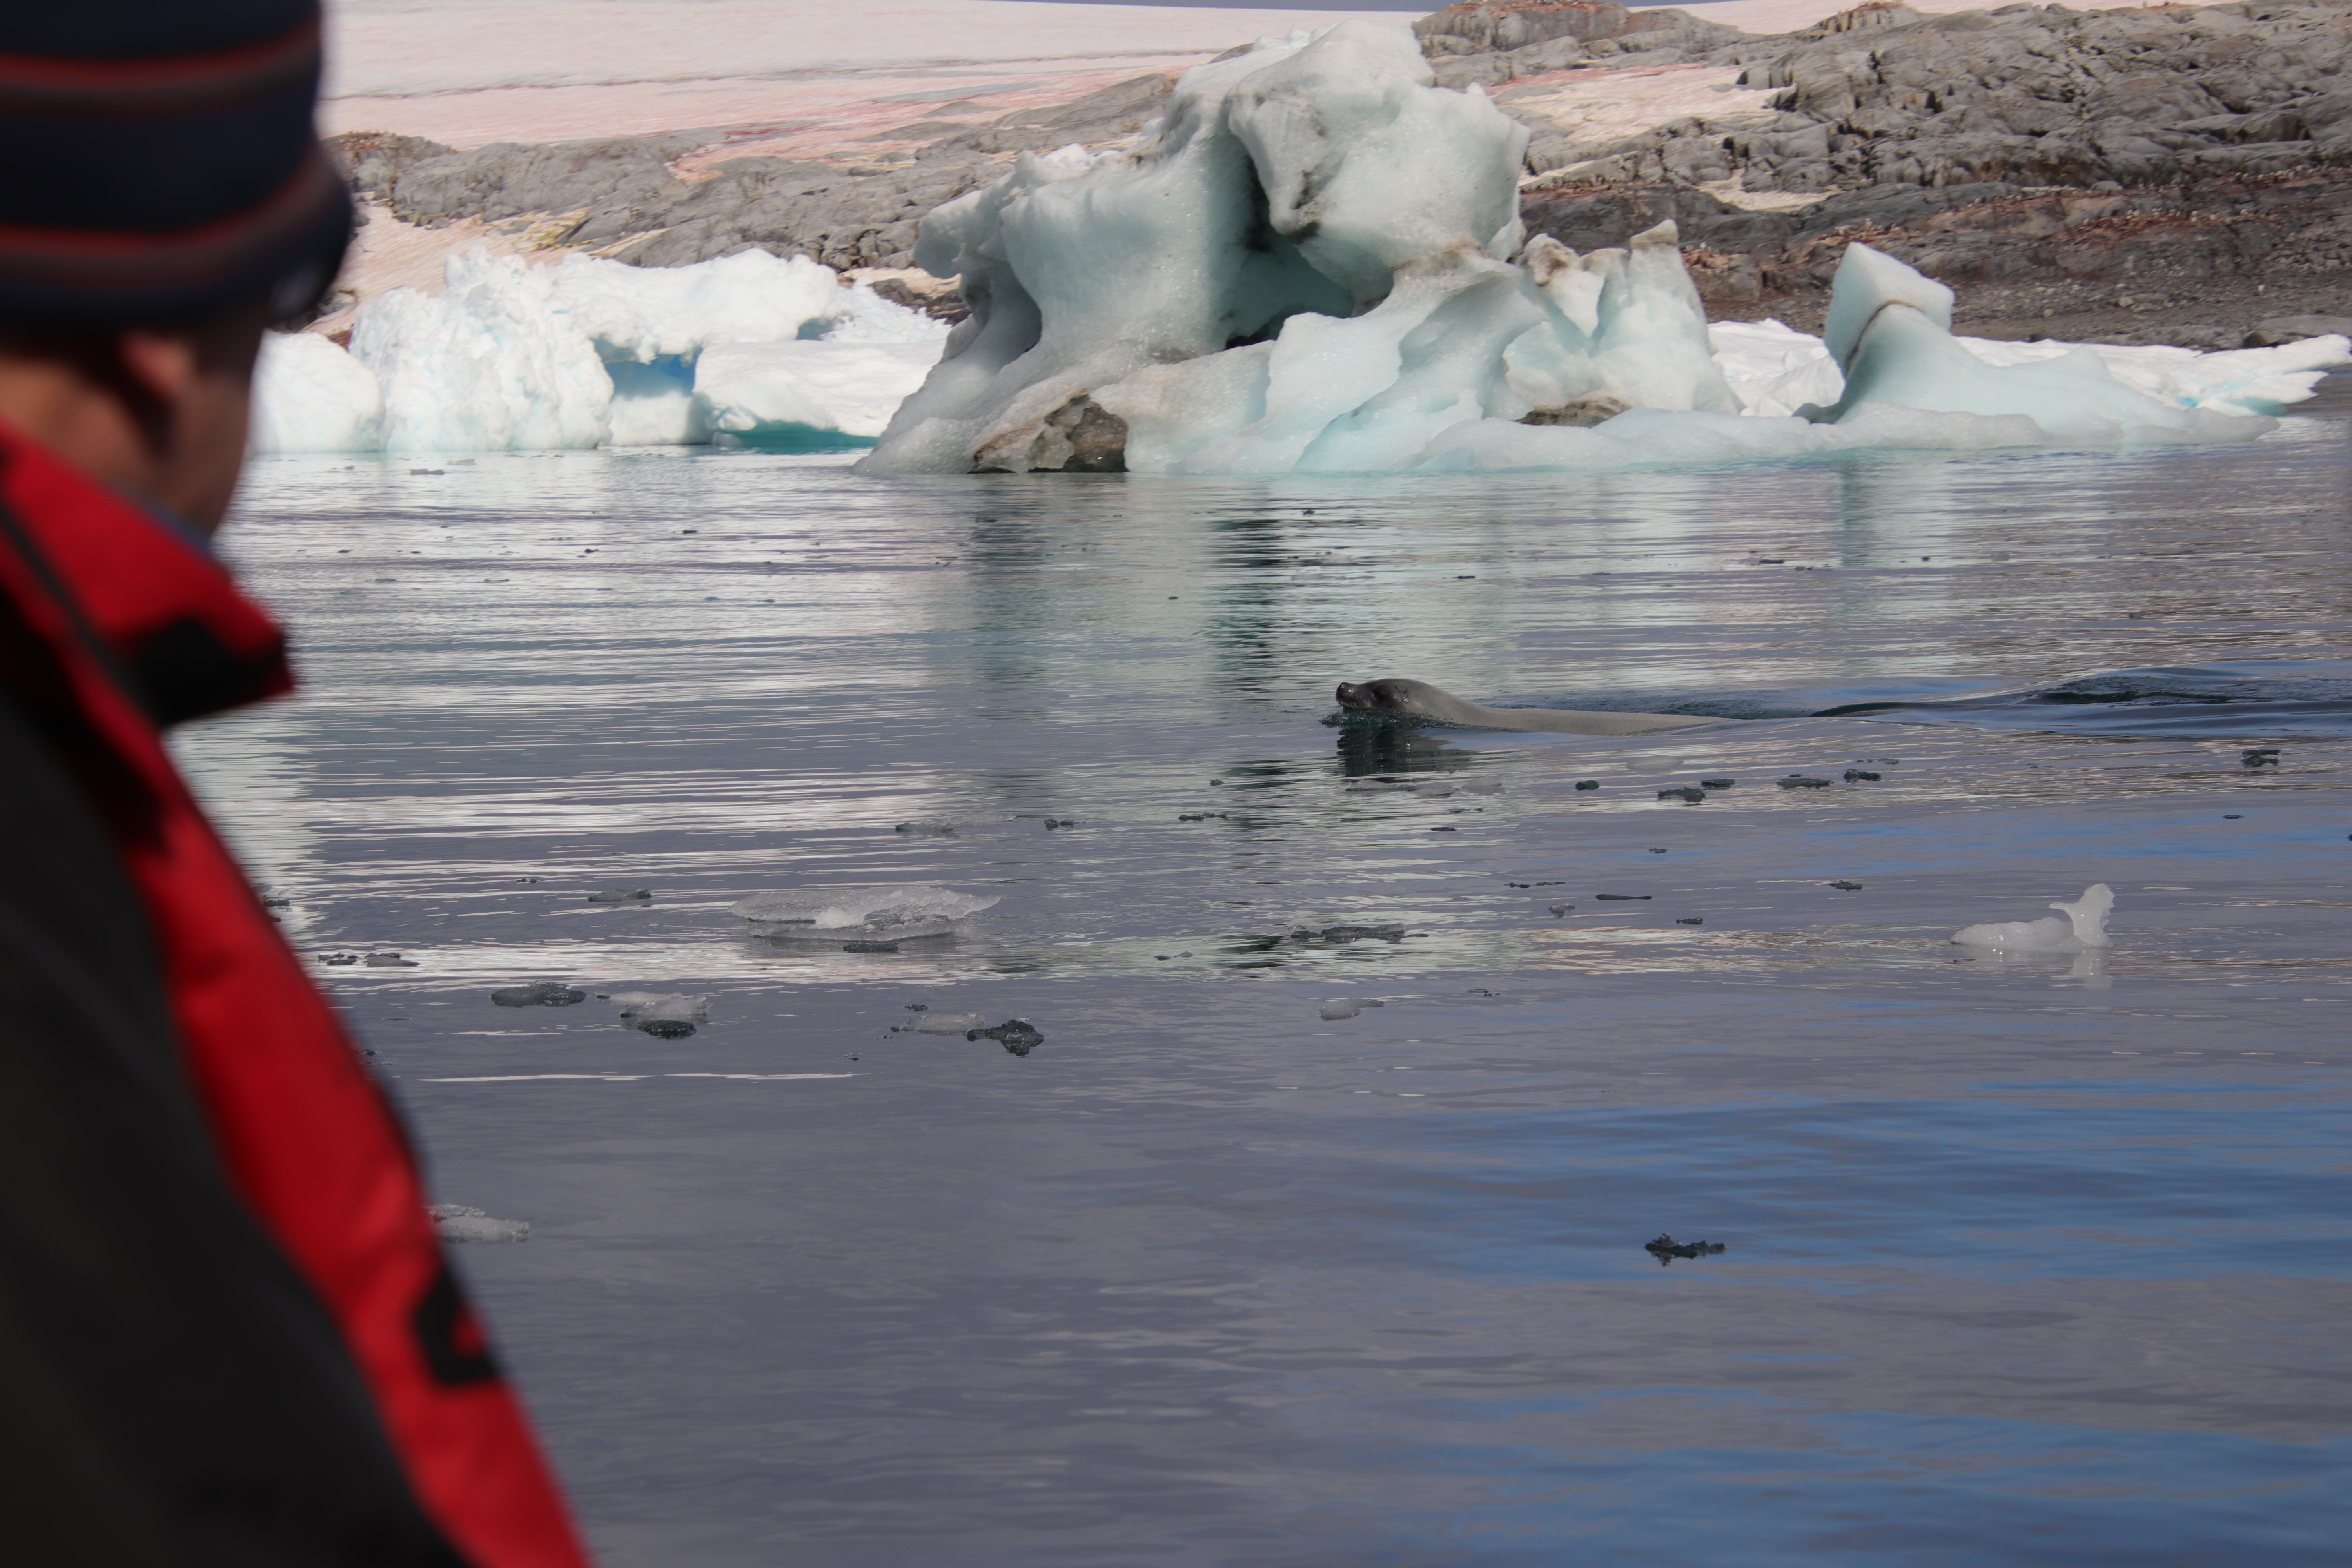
x: 227, y: 1335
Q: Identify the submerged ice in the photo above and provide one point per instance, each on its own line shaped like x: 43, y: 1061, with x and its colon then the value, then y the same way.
x: 1315, y: 262
x: 893, y: 909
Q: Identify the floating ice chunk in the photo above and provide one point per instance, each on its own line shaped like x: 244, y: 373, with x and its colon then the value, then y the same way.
x: 457, y: 1222
x: 746, y: 392
x: 893, y: 909
x: 2084, y: 927
x: 314, y: 397
x: 673, y: 1006
x: 1869, y: 282
x: 1335, y: 1009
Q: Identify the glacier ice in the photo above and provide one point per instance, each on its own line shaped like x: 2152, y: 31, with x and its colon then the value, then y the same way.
x: 1312, y: 261
x: 2083, y: 929
x: 511, y: 356
x: 891, y: 909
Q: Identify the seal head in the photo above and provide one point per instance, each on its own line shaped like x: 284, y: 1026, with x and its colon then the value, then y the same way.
x: 1392, y: 695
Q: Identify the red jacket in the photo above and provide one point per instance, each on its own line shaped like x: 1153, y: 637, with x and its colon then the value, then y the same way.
x: 113, y: 625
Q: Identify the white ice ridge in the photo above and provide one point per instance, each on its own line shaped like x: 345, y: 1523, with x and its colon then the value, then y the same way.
x: 2083, y: 929
x: 588, y: 352
x: 1314, y: 261
x: 890, y: 909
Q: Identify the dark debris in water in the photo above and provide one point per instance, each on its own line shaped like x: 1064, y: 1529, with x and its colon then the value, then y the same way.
x: 1717, y: 784
x: 1803, y: 781
x: 545, y: 993
x: 1017, y: 1036
x: 1353, y: 933
x: 663, y: 1028
x: 869, y: 947
x: 1588, y: 784
x: 2260, y: 757
x: 1665, y: 1249
x: 1847, y: 886
x: 621, y: 896
x: 1855, y: 775
x: 1688, y: 793
x: 1621, y: 898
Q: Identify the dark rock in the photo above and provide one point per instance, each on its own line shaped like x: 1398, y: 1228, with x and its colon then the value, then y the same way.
x: 1803, y: 781
x: 663, y: 1028
x: 1690, y: 919
x: 1016, y: 1035
x: 1689, y: 794
x: 1584, y: 413
x: 544, y: 993
x: 1362, y: 933
x: 1665, y: 1249
x: 1621, y: 898
x: 338, y: 960
x: 1588, y: 784
x: 1855, y: 775
x: 1717, y: 784
x: 1847, y: 886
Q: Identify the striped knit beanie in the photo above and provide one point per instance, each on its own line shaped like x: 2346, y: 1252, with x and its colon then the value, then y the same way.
x: 162, y: 162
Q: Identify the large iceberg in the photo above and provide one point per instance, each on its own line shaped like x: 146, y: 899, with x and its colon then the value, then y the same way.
x: 513, y: 356
x: 1313, y: 262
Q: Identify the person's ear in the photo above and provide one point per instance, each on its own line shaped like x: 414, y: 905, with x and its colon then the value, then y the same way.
x: 163, y: 366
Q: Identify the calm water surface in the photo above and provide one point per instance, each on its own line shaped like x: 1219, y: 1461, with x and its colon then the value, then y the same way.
x: 2042, y: 1261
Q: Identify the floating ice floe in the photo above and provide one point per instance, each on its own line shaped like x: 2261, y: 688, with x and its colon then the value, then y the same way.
x: 511, y: 356
x: 459, y: 1222
x: 2083, y: 930
x: 890, y: 909
x: 1313, y: 262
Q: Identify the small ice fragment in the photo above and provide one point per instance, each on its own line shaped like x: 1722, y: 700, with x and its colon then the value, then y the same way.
x: 389, y: 961
x: 946, y: 1023
x: 620, y: 895
x: 890, y: 910
x: 1336, y: 1008
x: 457, y: 1222
x: 545, y: 993
x: 2085, y: 927
x: 671, y: 1006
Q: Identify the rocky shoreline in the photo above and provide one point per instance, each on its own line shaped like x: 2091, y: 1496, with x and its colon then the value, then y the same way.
x: 2169, y: 175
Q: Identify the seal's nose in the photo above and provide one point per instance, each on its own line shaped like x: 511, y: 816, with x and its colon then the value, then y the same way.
x: 1351, y: 695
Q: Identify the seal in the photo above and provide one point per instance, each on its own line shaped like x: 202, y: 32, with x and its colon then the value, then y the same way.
x: 1420, y: 699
